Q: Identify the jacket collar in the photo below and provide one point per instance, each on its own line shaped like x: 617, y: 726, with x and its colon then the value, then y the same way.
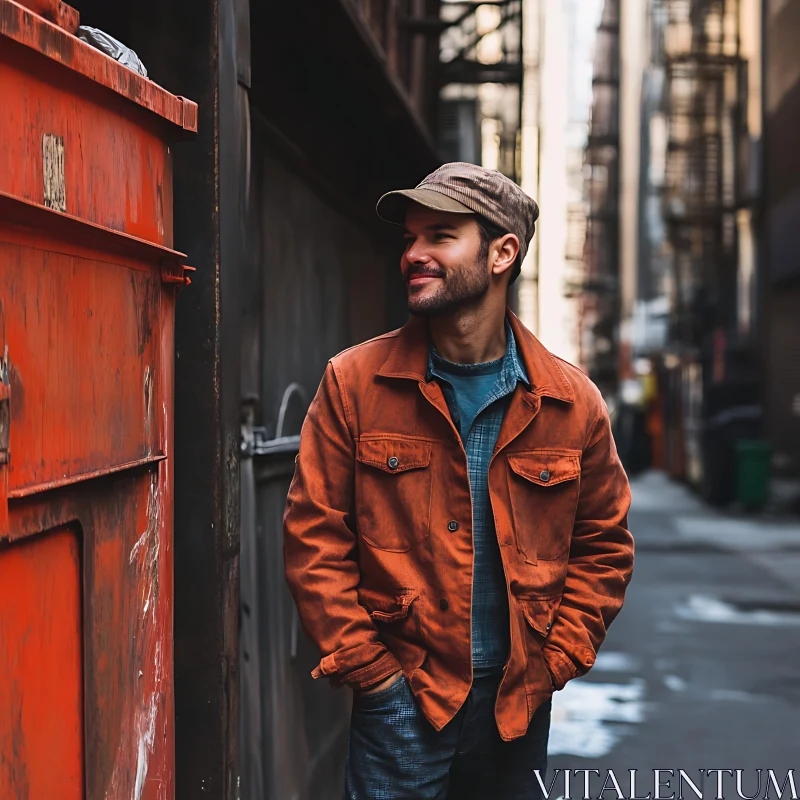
x: 409, y: 358
x: 513, y: 369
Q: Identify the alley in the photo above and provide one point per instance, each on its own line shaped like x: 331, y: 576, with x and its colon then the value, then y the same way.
x: 700, y: 669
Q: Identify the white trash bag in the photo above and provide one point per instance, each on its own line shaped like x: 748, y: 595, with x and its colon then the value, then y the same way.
x: 112, y: 47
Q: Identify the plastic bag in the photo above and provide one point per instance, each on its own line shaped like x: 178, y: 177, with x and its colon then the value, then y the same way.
x: 112, y: 47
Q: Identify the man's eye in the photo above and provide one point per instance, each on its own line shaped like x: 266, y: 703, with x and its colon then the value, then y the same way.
x: 439, y: 237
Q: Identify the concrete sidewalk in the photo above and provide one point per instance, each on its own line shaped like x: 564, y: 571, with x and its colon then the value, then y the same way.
x: 700, y: 669
x: 768, y: 539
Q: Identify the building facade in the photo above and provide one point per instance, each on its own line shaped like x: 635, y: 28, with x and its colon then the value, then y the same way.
x: 692, y: 261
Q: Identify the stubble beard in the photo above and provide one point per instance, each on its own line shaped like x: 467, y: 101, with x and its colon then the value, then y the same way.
x: 460, y: 288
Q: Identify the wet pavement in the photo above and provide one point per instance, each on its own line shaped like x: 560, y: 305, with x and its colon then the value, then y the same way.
x: 701, y: 670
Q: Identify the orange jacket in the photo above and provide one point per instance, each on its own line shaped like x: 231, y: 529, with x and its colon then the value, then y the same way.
x: 377, y: 528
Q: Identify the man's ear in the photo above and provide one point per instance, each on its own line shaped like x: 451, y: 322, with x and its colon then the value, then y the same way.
x: 506, y: 249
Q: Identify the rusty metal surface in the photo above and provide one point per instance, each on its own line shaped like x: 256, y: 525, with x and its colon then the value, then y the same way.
x: 25, y: 27
x: 114, y: 171
x: 66, y: 228
x: 123, y: 513
x: 123, y: 510
x: 92, y: 329
x: 60, y: 13
x: 88, y: 282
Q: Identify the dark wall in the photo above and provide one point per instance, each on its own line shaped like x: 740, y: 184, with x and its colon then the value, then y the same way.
x: 320, y: 84
x: 782, y: 90
x: 780, y: 291
x: 319, y: 272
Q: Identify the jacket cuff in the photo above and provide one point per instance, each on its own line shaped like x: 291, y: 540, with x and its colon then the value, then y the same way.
x: 560, y: 666
x: 361, y: 678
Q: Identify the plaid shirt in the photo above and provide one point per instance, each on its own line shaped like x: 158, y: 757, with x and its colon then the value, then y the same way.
x: 490, y: 622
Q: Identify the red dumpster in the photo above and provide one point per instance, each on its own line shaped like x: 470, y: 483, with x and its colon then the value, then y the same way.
x: 88, y: 280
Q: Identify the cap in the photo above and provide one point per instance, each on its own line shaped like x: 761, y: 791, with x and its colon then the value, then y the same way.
x: 463, y: 188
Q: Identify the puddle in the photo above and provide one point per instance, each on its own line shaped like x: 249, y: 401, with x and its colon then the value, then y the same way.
x: 675, y: 683
x: 615, y: 662
x: 590, y: 718
x: 702, y: 608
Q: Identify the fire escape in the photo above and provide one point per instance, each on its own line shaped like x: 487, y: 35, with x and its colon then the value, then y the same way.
x: 598, y: 290
x: 705, y: 187
x: 481, y: 80
x: 702, y: 106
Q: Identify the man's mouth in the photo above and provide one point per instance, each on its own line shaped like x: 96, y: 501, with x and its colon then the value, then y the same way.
x: 422, y: 278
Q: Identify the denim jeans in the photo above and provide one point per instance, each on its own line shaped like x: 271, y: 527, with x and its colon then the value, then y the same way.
x: 395, y: 753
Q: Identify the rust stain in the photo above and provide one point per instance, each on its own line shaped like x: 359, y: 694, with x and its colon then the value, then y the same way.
x: 144, y: 295
x: 15, y: 767
x: 148, y: 408
x: 9, y: 20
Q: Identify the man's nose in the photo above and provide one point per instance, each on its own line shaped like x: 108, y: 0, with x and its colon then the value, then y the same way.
x: 416, y: 255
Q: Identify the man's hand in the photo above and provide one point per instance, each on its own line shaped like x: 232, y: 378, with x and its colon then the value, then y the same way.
x: 385, y: 684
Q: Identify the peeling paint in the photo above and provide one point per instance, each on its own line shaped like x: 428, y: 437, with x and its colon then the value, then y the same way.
x: 137, y: 737
x: 147, y: 729
x: 135, y: 549
x: 53, y: 172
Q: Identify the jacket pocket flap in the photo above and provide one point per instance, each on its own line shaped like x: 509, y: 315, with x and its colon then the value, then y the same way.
x: 394, y: 455
x: 540, y: 614
x: 546, y: 467
x: 387, y: 608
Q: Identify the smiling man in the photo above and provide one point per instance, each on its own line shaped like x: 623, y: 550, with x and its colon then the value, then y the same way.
x: 455, y: 534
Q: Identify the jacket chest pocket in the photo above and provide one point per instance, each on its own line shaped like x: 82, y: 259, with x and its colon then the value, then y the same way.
x: 544, y: 486
x: 393, y: 492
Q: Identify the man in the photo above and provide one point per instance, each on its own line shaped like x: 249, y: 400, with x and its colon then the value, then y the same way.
x: 455, y: 532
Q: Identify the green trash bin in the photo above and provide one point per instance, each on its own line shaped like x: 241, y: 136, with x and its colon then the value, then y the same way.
x: 752, y: 472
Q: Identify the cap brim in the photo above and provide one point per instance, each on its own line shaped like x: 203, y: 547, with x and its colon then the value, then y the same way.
x: 392, y: 206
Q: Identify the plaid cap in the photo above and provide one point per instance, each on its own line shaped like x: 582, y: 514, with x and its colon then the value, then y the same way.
x: 462, y: 188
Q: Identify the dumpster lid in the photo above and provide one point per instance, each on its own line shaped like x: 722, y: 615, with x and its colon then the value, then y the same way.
x: 20, y: 24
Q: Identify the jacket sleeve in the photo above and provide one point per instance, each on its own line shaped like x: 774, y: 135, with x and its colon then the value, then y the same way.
x: 320, y: 550
x: 600, y: 558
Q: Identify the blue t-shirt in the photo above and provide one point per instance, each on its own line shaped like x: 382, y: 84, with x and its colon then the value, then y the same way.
x: 472, y: 384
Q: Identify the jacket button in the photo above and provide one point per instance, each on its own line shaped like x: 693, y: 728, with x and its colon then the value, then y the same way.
x: 452, y: 525
x: 393, y: 462
x: 443, y: 604
x: 544, y: 475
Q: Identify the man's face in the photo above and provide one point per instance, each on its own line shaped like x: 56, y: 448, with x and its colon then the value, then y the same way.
x: 441, y: 262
